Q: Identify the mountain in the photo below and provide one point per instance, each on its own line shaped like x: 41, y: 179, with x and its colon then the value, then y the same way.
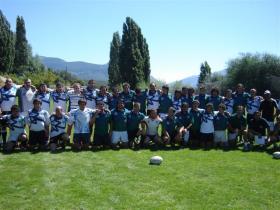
x: 192, y: 80
x: 82, y: 70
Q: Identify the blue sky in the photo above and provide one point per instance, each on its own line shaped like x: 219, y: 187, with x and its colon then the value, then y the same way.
x: 181, y: 33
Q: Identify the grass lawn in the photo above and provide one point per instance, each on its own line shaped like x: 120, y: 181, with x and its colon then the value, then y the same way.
x: 187, y: 179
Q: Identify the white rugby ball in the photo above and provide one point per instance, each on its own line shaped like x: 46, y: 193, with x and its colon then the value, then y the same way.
x: 156, y: 160
x: 276, y: 155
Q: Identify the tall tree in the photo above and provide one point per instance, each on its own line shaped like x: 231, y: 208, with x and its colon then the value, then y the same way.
x: 205, y: 72
x: 21, y: 45
x: 134, y: 55
x: 7, y: 51
x: 113, y: 69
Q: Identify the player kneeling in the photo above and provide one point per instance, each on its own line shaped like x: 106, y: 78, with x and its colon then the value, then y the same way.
x: 58, y: 136
x: 38, y: 121
x: 237, y: 127
x: 220, y: 125
x: 257, y: 130
x: 134, y: 118
x: 101, y: 119
x: 170, y: 128
x: 82, y: 120
x: 118, y: 128
x: 151, y: 125
x: 16, y: 124
x: 185, y: 123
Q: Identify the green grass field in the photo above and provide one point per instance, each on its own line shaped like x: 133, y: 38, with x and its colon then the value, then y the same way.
x: 187, y: 179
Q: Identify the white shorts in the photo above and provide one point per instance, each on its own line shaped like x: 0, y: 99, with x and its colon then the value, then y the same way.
x: 232, y: 136
x: 186, y: 136
x: 260, y: 140
x: 119, y: 136
x: 220, y: 136
x: 162, y: 115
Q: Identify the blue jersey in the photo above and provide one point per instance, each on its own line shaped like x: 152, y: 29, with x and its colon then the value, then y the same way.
x: 16, y: 126
x: 38, y: 120
x: 45, y: 99
x: 7, y: 98
x: 128, y: 99
x: 164, y: 103
x: 142, y: 99
x: 59, y: 99
x: 176, y: 103
x: 113, y: 102
x: 253, y: 104
x: 119, y: 119
x: 170, y: 125
x: 240, y: 99
x: 153, y: 100
x: 215, y: 100
x: 104, y: 98
x: 184, y: 118
x: 202, y: 98
x: 90, y: 95
x: 228, y: 102
x: 134, y: 119
x: 220, y: 121
x: 80, y: 119
x: 58, y: 124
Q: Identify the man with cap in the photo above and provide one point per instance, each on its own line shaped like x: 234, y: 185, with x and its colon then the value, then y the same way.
x: 81, y: 118
x: 268, y: 108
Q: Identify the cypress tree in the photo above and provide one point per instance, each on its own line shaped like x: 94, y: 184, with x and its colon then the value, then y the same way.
x: 205, y: 72
x: 113, y: 69
x: 21, y: 45
x: 134, y: 55
x: 7, y: 51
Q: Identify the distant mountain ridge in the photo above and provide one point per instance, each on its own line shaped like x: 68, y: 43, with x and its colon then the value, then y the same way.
x: 192, y: 80
x: 82, y: 70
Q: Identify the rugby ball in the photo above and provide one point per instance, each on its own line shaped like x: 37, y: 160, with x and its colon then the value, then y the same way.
x: 276, y: 155
x: 156, y: 160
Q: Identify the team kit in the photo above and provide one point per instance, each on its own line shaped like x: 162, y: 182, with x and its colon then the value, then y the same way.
x: 135, y: 118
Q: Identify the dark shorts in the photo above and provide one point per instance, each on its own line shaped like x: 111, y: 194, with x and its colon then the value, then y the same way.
x: 99, y: 140
x: 81, y: 138
x: 132, y: 134
x: 37, y: 137
x: 207, y: 137
x: 60, y: 139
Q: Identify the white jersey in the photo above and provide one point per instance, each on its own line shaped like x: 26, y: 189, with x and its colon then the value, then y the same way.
x: 90, y: 96
x: 152, y: 125
x: 7, y: 98
x: 153, y: 100
x: 207, y: 123
x: 16, y: 126
x: 58, y: 124
x: 253, y: 104
x: 45, y: 98
x: 80, y: 119
x: 59, y: 99
x: 26, y: 98
x: 37, y: 120
x: 73, y: 99
x: 176, y: 103
x: 229, y: 105
x: 104, y: 98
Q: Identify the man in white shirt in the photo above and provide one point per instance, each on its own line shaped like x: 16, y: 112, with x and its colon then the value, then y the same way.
x: 81, y: 118
x: 153, y: 96
x: 74, y: 96
x: 26, y: 94
x: 151, y: 125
